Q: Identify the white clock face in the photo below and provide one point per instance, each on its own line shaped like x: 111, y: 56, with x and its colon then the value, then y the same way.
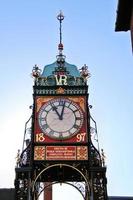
x: 60, y: 118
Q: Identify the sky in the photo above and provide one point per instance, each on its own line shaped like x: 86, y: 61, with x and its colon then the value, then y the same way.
x: 29, y: 35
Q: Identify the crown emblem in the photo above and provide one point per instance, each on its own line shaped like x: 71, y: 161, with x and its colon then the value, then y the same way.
x: 60, y: 90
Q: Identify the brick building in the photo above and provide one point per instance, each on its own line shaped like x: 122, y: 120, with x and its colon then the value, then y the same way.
x: 124, y: 18
x: 9, y: 194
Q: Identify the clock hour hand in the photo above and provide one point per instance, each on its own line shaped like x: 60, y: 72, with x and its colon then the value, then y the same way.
x: 62, y: 112
x: 55, y: 109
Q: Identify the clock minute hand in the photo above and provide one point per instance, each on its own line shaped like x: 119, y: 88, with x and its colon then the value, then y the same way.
x: 62, y: 112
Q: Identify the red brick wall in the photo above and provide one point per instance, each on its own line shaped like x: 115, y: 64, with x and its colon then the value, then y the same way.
x: 48, y: 192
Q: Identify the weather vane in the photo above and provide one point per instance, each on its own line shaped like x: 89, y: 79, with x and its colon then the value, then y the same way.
x: 60, y: 17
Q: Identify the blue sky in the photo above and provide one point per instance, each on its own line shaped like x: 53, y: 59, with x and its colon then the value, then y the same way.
x: 29, y: 34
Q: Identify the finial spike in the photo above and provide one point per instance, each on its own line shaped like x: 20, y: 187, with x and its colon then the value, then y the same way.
x: 60, y: 17
x: 60, y: 57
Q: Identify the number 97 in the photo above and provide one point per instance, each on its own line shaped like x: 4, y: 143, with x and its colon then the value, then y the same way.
x: 81, y: 137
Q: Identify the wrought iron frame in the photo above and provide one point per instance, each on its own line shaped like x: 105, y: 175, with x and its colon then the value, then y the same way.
x: 74, y: 184
x: 29, y: 173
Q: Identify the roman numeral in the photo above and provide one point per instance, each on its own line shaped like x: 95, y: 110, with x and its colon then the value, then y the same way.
x: 44, y: 126
x: 53, y: 106
x: 75, y: 110
x: 61, y: 102
x: 78, y: 118
x: 68, y: 104
x: 76, y: 126
x: 51, y: 132
x: 42, y: 118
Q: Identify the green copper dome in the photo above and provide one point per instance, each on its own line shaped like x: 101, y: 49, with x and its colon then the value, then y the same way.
x: 71, y: 69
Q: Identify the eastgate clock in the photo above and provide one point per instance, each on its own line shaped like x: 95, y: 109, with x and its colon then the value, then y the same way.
x: 60, y: 118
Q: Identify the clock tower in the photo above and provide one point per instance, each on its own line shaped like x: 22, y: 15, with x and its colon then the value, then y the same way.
x: 60, y: 147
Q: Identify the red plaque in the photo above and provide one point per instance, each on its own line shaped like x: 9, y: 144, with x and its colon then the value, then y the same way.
x: 60, y: 153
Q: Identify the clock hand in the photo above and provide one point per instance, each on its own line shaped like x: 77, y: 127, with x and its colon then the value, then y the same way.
x: 55, y: 109
x: 62, y: 112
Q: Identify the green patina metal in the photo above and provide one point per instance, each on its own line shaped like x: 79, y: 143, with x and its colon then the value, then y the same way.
x: 70, y: 68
